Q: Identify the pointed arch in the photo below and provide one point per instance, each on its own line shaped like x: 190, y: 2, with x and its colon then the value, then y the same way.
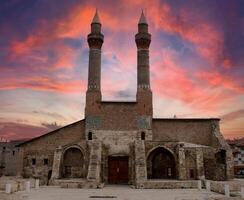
x: 161, y: 164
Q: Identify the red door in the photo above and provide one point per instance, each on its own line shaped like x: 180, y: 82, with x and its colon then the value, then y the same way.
x: 118, y: 169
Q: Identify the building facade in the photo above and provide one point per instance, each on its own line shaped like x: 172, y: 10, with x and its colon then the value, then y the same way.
x: 121, y: 142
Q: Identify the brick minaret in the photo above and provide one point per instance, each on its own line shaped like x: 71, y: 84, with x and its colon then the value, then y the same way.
x: 143, y: 40
x: 95, y: 41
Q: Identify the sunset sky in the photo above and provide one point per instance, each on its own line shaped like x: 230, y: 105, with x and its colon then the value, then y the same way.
x: 196, y: 60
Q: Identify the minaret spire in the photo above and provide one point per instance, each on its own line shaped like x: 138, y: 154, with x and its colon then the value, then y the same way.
x: 143, y: 19
x: 96, y: 19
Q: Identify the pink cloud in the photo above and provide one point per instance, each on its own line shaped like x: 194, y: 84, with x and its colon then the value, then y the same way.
x: 207, y: 38
x: 172, y: 80
x: 216, y: 79
x: 46, y: 84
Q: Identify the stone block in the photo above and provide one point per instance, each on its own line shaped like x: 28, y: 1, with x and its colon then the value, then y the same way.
x: 199, y: 184
x: 8, y: 188
x: 208, y: 188
x: 27, y: 186
x: 37, y: 183
x: 242, y: 192
x: 227, y: 190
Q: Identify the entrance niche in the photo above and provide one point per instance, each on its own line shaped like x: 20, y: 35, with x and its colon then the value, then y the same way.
x: 161, y: 164
x: 73, y: 161
x: 118, y: 169
x: 191, y: 166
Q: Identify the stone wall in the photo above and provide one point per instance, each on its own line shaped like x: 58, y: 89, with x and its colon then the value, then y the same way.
x: 198, y: 131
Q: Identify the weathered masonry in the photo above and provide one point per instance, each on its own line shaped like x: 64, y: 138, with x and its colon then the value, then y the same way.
x: 121, y: 142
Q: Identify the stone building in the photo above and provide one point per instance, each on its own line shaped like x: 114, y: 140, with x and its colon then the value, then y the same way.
x: 9, y: 157
x: 121, y: 142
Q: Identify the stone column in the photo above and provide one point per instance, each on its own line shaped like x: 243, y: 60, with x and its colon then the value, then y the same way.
x: 181, y: 162
x: 95, y: 157
x: 57, y: 163
x: 199, y: 164
x: 140, y: 163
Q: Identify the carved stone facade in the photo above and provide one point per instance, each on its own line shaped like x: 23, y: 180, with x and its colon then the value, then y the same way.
x: 121, y: 142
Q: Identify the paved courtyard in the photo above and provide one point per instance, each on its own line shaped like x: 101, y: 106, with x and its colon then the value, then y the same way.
x: 113, y: 192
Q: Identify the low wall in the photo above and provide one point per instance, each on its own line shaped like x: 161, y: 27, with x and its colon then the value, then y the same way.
x: 234, y: 185
x: 76, y: 183
x: 168, y: 184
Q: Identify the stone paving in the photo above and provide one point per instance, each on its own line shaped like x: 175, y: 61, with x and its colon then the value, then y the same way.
x: 111, y: 192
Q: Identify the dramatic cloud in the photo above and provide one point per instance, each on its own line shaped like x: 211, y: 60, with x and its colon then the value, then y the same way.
x: 196, y: 58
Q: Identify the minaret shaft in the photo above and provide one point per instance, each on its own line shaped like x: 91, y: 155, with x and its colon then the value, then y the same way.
x: 94, y: 74
x: 143, y: 79
x: 144, y: 93
x: 143, y: 40
x: 95, y: 41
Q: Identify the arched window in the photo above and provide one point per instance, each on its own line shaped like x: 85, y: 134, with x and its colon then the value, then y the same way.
x: 90, y: 136
x: 143, y: 135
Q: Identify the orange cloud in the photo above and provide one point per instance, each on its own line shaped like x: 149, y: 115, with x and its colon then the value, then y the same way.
x: 46, y: 84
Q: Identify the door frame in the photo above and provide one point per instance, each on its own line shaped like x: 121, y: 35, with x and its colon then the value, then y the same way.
x: 125, y: 158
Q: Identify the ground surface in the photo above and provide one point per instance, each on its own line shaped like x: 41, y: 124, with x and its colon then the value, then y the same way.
x: 112, y: 192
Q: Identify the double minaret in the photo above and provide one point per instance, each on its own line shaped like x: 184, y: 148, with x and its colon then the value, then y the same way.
x: 95, y: 41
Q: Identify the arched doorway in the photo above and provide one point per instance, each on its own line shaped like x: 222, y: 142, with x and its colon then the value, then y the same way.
x: 73, y: 162
x: 161, y: 164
